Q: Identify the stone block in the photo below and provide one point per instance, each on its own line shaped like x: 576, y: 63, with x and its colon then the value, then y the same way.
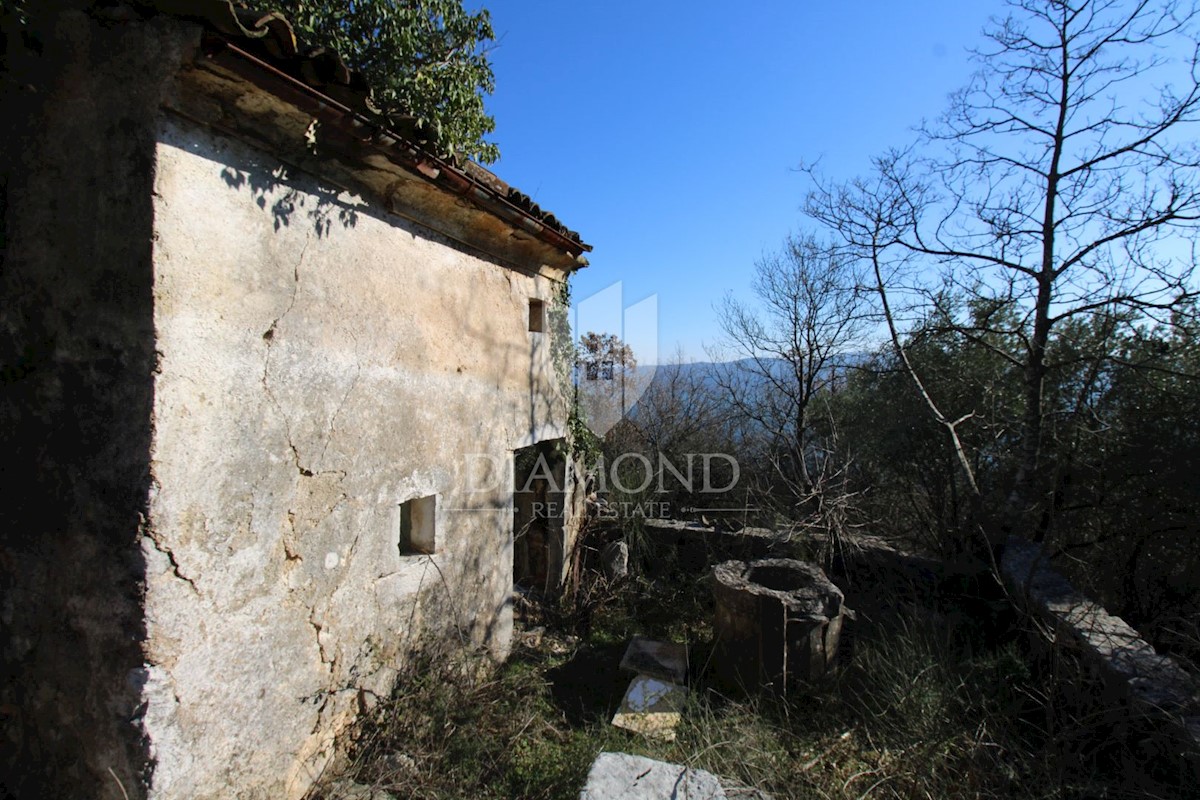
x: 618, y: 776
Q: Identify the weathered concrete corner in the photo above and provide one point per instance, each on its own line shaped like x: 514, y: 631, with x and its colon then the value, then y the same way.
x: 261, y: 424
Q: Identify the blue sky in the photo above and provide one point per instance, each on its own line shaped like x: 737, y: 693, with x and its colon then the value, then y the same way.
x: 669, y: 133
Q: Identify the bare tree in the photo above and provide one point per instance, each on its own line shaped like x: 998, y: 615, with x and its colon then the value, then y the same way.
x: 780, y: 354
x: 1062, y: 182
x: 607, y: 380
x: 681, y: 411
x: 602, y: 355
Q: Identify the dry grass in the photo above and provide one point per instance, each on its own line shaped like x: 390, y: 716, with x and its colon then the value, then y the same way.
x: 922, y: 711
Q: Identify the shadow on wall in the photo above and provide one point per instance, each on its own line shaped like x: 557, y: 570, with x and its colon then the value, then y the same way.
x: 77, y: 360
x: 265, y: 185
x: 442, y: 612
x: 293, y: 196
x: 77, y: 366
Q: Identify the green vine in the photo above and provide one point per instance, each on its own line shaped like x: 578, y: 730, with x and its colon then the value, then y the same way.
x: 584, y: 444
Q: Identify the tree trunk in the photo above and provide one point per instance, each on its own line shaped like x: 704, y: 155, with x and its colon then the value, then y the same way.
x: 1023, y: 498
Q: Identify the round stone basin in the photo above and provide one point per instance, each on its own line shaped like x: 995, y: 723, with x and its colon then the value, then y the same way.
x: 777, y: 624
x: 779, y: 578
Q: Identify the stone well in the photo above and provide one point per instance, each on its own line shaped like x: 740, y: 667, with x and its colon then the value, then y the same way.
x: 778, y: 622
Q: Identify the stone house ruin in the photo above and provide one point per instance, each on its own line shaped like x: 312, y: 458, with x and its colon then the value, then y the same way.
x: 267, y: 365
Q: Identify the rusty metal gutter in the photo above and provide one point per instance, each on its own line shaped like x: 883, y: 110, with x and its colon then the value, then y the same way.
x: 358, y: 129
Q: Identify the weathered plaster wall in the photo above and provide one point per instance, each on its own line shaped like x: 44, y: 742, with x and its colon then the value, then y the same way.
x: 221, y: 377
x: 77, y: 357
x: 319, y: 364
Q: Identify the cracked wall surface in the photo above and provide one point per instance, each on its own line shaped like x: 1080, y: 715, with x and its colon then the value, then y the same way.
x: 320, y: 363
x: 222, y: 377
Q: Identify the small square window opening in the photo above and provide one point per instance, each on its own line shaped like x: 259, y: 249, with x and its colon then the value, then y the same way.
x: 418, y: 529
x: 537, y: 315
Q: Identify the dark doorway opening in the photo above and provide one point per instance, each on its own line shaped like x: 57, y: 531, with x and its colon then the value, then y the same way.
x: 539, y: 497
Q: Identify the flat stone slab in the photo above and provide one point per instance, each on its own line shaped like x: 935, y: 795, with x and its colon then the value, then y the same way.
x: 618, y: 776
x: 651, y: 707
x: 666, y: 660
x: 766, y: 535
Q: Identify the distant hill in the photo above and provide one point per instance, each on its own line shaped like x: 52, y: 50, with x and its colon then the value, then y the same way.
x: 705, y: 369
x: 703, y: 374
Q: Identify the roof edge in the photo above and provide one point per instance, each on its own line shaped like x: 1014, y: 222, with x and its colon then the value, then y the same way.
x: 262, y: 47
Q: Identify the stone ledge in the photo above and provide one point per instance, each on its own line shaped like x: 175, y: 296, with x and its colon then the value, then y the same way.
x: 1154, y: 685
